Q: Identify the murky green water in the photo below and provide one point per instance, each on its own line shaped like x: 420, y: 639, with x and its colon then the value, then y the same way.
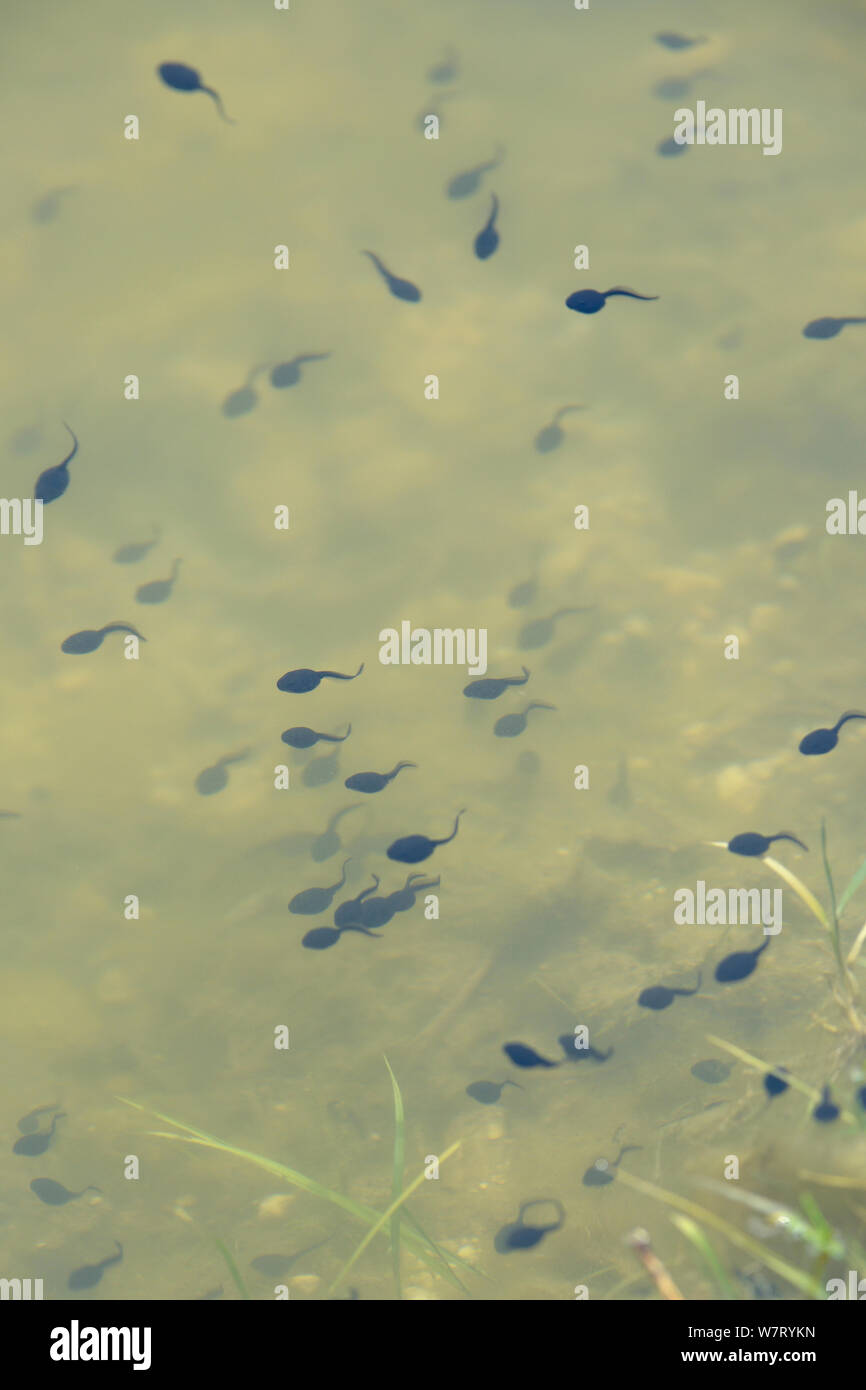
x: 706, y: 519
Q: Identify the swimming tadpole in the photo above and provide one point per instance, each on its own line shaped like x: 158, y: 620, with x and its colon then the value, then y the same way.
x: 591, y: 301
x: 510, y: 725
x: 447, y: 69
x: 828, y: 327
x: 712, y: 1071
x: 826, y: 1111
x: 33, y: 1144
x: 326, y: 845
x: 29, y: 1123
x: 289, y: 373
x: 523, y: 1056
x: 677, y: 42
x: 302, y: 737
x: 551, y: 436
x: 488, y: 1092
x: 573, y: 1053
x: 80, y: 643
x: 739, y: 965
x: 401, y: 289
x: 412, y: 849
x: 487, y: 239
x: 465, y: 184
x: 539, y: 631
x: 313, y: 900
x: 520, y: 1235
x: 320, y: 771
x: 661, y: 997
x: 53, y: 482
x: 347, y: 913
x: 491, y: 687
x: 214, y: 779
x: 245, y: 398
x: 775, y: 1083
x: 751, y: 843
x: 275, y: 1266
x: 602, y: 1173
x: 403, y: 900
x: 136, y: 550
x: 370, y: 782
x: 89, y: 1275
x: 158, y: 590
x: 54, y: 1194
x: 182, y: 78
x: 302, y: 681
x: 823, y: 740
x: 320, y: 938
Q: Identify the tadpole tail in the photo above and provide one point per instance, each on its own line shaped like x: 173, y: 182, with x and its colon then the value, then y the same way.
x: 630, y: 294
x: 219, y: 106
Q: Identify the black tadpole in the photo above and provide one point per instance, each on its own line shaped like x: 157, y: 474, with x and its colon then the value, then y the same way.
x: 828, y: 327
x: 573, y: 1053
x: 523, y: 1056
x: 412, y: 849
x: 739, y: 965
x: 488, y: 1092
x: 823, y: 740
x: 487, y: 239
x: 491, y: 687
x: 753, y: 844
x: 32, y: 1145
x: 302, y: 681
x: 53, y: 482
x: 80, y: 643
x: 401, y: 289
x: 826, y: 1112
x: 600, y: 1173
x: 185, y: 79
x: 661, y: 997
x: 54, y: 1194
x: 591, y: 301
x: 517, y: 1235
x: 88, y: 1275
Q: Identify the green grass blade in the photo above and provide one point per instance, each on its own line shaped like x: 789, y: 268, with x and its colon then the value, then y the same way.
x: 786, y: 1271
x: 439, y: 1262
x: 849, y: 892
x: 800, y: 889
x: 692, y: 1231
x: 232, y: 1267
x: 386, y: 1215
x: 757, y: 1065
x: 397, y: 1176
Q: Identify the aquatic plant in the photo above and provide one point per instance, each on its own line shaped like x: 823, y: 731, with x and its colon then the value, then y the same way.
x: 846, y: 987
x: 403, y: 1230
x: 811, y: 1229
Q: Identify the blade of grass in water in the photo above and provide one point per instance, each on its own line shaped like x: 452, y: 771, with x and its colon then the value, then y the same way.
x: 834, y: 913
x: 735, y: 1236
x: 440, y: 1263
x: 758, y: 1065
x: 404, y: 1196
x: 800, y: 889
x: 849, y: 892
x: 232, y: 1267
x: 692, y: 1231
x: 397, y: 1178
